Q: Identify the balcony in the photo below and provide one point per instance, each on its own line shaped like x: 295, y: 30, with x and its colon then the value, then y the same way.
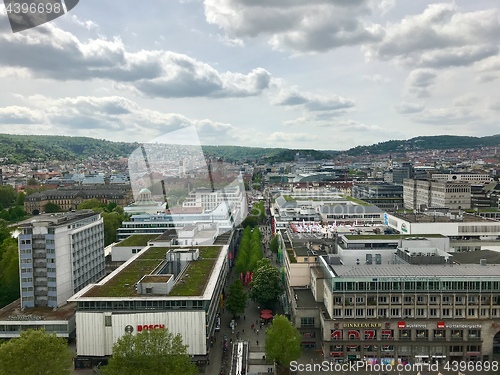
x: 39, y: 255
x: 40, y: 292
x: 40, y: 264
x: 41, y: 283
x: 40, y: 274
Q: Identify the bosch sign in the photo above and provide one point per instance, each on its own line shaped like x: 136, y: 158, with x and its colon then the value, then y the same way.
x: 149, y: 327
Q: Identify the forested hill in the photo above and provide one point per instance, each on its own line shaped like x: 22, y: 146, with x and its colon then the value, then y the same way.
x: 438, y: 142
x: 24, y: 148
x: 15, y: 149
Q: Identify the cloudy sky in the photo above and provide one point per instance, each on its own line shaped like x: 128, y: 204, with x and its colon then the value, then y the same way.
x: 324, y: 74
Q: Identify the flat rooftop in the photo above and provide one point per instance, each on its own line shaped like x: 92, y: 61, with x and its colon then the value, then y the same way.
x: 304, y: 298
x: 58, y: 218
x: 473, y: 257
x: 137, y: 240
x: 409, y: 270
x: 121, y: 283
x: 422, y: 218
x: 13, y: 312
x: 389, y: 237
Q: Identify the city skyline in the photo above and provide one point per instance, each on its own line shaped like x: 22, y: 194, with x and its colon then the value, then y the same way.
x: 328, y: 75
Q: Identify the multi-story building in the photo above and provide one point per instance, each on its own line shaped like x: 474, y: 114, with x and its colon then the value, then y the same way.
x: 423, y: 194
x: 407, y: 313
x: 420, y: 308
x: 69, y: 198
x: 386, y: 196
x: 471, y: 178
x: 59, y: 254
x: 178, y: 288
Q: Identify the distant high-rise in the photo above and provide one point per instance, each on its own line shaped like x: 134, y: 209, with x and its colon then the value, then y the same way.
x: 60, y: 254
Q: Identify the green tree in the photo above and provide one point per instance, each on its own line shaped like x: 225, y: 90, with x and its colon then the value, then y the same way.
x: 282, y: 342
x: 35, y: 352
x: 92, y: 204
x: 9, y: 271
x: 266, y: 284
x: 112, y: 221
x: 8, y: 196
x: 32, y: 182
x: 51, y: 207
x: 237, y: 299
x: 274, y: 244
x: 20, y: 199
x: 150, y: 352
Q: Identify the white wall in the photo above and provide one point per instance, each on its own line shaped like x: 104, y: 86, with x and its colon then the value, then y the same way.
x: 94, y: 339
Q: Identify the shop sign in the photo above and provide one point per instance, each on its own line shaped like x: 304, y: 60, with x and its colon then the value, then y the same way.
x: 149, y: 327
x: 362, y: 325
x: 411, y: 325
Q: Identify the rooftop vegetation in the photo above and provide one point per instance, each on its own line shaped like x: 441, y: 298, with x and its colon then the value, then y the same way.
x: 122, y: 284
x: 356, y: 200
x: 195, y: 278
x: 137, y: 240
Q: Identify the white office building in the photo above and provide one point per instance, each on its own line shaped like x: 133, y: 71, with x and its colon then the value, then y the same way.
x: 59, y: 254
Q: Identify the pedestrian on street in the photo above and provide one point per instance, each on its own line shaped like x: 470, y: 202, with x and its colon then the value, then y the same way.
x: 244, y: 317
x: 253, y: 326
x: 257, y: 332
x: 257, y: 342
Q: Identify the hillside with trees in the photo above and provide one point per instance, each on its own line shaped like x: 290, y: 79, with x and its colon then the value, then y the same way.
x: 17, y: 149
x: 438, y: 142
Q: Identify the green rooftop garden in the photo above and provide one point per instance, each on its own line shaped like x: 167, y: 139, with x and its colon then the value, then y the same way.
x: 137, y: 240
x: 356, y: 200
x: 291, y: 256
x: 194, y: 284
x: 122, y: 284
x: 288, y: 198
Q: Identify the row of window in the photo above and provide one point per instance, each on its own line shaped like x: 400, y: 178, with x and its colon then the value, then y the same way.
x: 406, y: 349
x: 419, y: 299
x: 140, y: 305
x: 415, y: 312
x: 405, y: 334
x: 424, y: 285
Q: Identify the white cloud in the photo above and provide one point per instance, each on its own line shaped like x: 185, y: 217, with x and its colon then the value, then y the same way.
x: 317, y: 25
x: 406, y: 107
x: 447, y: 116
x: 419, y: 82
x: 291, y: 97
x: 50, y: 52
x: 377, y: 78
x: 282, y: 137
x: 440, y: 37
x: 120, y: 118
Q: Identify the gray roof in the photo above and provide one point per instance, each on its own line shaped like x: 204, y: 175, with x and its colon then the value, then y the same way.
x: 350, y: 209
x: 417, y: 270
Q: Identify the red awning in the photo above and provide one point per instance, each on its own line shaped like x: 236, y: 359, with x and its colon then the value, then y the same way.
x: 266, y: 315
